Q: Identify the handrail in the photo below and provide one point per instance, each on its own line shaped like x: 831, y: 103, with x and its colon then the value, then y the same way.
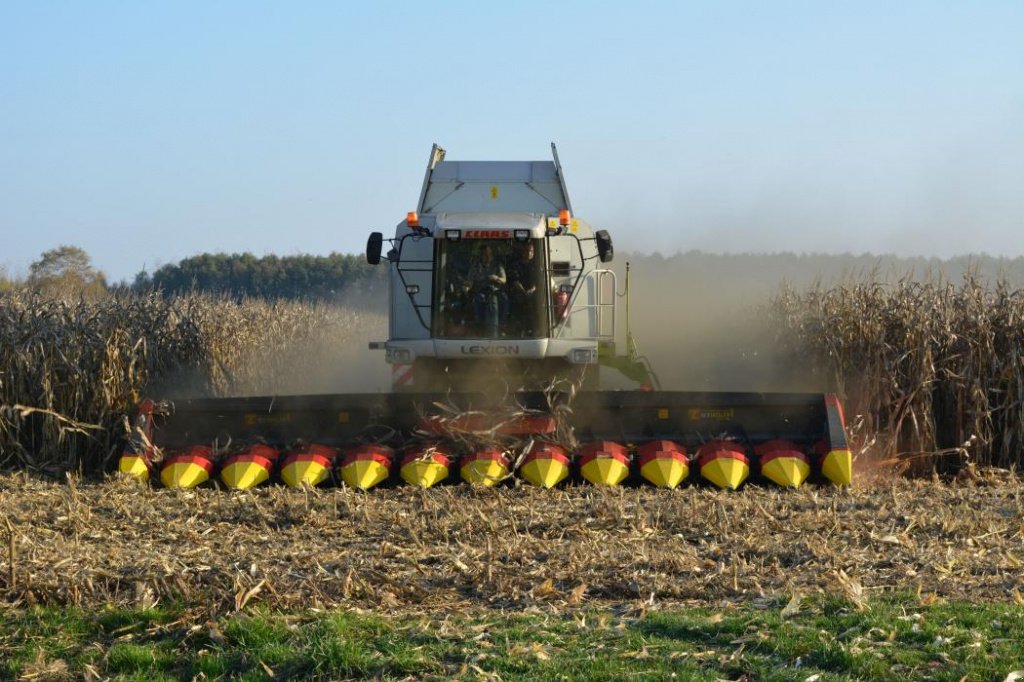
x: 601, y: 307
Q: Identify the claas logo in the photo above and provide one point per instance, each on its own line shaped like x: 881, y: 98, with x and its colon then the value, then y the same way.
x: 487, y: 234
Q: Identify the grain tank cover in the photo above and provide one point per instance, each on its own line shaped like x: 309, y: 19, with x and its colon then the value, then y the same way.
x: 489, y: 186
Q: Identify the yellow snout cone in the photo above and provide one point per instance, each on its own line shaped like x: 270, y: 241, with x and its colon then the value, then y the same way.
x: 484, y: 468
x: 183, y: 475
x: 783, y: 462
x: 665, y: 472
x: 724, y: 464
x: 425, y: 467
x: 663, y: 463
x: 244, y: 475
x: 837, y: 466
x: 789, y: 472
x: 604, y: 462
x: 309, y: 465
x: 546, y: 473
x: 134, y: 466
x: 546, y: 465
x: 367, y: 466
x: 604, y: 470
x: 726, y: 473
x: 364, y: 474
x: 424, y: 474
x: 297, y: 473
x: 189, y: 468
x: 248, y: 468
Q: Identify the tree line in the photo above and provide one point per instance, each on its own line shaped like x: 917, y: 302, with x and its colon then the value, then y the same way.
x: 68, y: 272
x: 241, y: 275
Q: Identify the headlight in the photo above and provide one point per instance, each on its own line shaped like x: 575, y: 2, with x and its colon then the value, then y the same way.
x: 398, y: 356
x: 583, y: 356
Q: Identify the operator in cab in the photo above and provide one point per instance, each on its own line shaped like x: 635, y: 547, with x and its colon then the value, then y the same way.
x: 487, y: 279
x: 522, y: 288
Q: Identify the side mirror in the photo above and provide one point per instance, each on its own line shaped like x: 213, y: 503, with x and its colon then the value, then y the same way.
x: 605, y: 251
x: 373, y: 247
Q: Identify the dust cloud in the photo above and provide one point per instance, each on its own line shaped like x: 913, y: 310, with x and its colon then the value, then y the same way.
x: 317, y: 348
x: 704, y: 322
x: 703, y: 325
x: 701, y: 319
x: 337, y: 357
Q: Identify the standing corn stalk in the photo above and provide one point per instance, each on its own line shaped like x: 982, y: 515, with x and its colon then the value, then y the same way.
x: 70, y: 371
x: 931, y: 365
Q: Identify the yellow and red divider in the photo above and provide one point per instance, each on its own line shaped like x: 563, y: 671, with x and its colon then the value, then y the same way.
x: 834, y: 454
x: 307, y: 465
x: 545, y: 465
x: 137, y: 458
x: 724, y: 463
x: 486, y: 467
x: 136, y: 464
x: 604, y: 462
x: 367, y: 465
x: 836, y: 465
x: 783, y: 462
x: 663, y: 463
x: 188, y: 468
x: 249, y: 467
x: 425, y: 465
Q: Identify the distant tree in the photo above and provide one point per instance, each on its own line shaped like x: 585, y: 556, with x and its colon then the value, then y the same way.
x: 143, y: 281
x: 6, y: 282
x: 293, y: 277
x: 66, y: 272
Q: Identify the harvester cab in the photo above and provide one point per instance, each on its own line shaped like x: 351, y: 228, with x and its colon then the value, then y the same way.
x: 494, y: 276
x: 502, y: 306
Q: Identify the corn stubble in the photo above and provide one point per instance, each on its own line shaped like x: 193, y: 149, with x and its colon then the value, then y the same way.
x: 70, y: 372
x: 465, y: 548
x: 933, y: 371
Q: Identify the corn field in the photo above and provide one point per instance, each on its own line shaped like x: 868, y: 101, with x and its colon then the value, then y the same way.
x: 931, y: 372
x: 930, y: 368
x: 71, y: 372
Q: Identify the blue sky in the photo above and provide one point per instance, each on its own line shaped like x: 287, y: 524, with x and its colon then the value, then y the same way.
x: 147, y: 132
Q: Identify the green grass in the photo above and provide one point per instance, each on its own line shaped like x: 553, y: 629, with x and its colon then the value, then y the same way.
x: 895, y: 639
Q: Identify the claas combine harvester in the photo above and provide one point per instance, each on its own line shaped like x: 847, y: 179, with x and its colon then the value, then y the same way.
x: 503, y: 316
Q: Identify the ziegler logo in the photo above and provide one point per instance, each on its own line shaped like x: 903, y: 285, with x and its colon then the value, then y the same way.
x: 697, y: 414
x: 490, y: 350
x: 487, y: 234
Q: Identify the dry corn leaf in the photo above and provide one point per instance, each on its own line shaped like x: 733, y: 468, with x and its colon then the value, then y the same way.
x: 852, y: 590
x: 545, y: 589
x: 578, y: 593
x: 792, y: 608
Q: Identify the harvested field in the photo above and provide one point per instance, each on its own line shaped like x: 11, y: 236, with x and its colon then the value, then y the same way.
x: 460, y: 548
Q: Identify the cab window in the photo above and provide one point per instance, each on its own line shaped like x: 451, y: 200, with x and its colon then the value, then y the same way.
x: 490, y: 288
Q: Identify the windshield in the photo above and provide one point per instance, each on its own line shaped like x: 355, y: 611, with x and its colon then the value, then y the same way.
x: 490, y: 288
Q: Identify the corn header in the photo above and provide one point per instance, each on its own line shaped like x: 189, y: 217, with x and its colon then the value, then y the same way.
x: 503, y: 316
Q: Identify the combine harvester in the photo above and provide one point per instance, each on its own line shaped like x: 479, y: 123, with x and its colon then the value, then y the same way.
x: 503, y: 315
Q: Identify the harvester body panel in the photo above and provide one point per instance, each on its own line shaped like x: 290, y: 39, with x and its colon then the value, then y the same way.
x: 494, y: 265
